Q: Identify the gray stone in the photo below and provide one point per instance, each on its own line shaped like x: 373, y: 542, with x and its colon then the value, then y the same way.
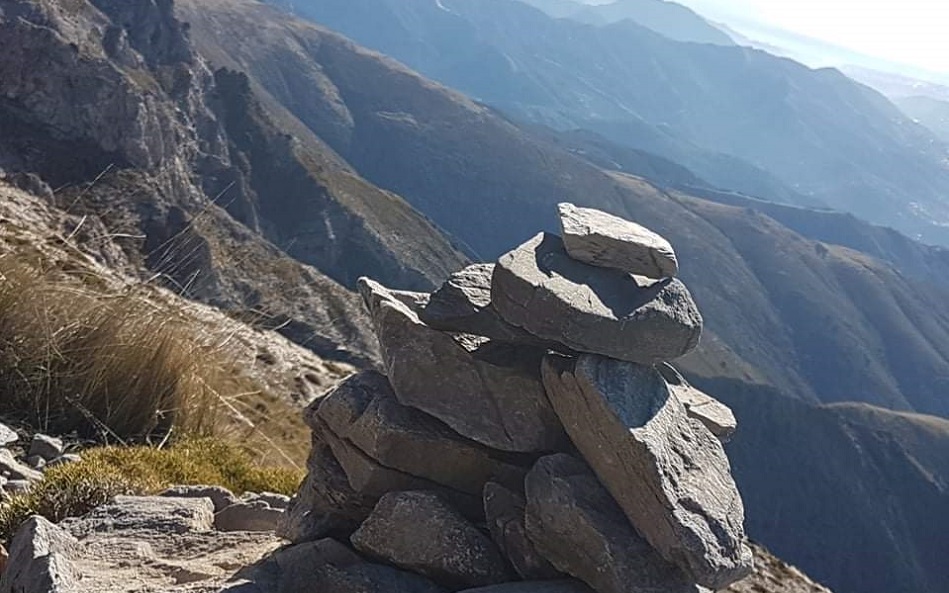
x: 219, y: 496
x: 364, y: 411
x: 327, y: 566
x: 46, y: 447
x: 540, y: 288
x: 64, y: 459
x: 130, y: 514
x: 14, y: 470
x: 600, y: 239
x: 551, y: 586
x: 575, y: 523
x: 668, y: 473
x: 716, y: 416
x: 463, y: 305
x: 275, y: 500
x: 248, y: 516
x: 504, y: 514
x: 41, y: 560
x: 488, y: 392
x: 8, y: 436
x: 36, y: 462
x: 4, y: 556
x: 419, y: 531
x: 326, y: 504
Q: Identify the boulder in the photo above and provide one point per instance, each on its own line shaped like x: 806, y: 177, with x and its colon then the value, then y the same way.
x: 248, y: 516
x: 36, y: 462
x: 7, y: 435
x: 328, y: 566
x: 504, y: 514
x: 421, y: 532
x: 326, y: 504
x: 463, y: 305
x: 574, y: 522
x: 41, y: 559
x: 551, y: 586
x: 668, y: 473
x: 130, y: 514
x: 600, y: 239
x: 14, y: 470
x: 487, y: 392
x: 713, y: 414
x: 219, y: 496
x: 541, y: 289
x: 364, y: 411
x: 45, y: 446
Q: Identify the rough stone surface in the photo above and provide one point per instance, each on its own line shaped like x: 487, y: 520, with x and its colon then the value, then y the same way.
x: 546, y: 586
x: 7, y: 435
x: 3, y: 559
x: 668, y: 473
x: 600, y: 239
x: 419, y: 531
x: 220, y: 497
x: 147, y: 513
x: 574, y: 522
x: 326, y: 504
x: 42, y: 559
x: 504, y: 513
x: 364, y: 411
x: 274, y: 500
x: 36, y: 462
x: 488, y: 392
x: 540, y: 288
x: 45, y: 446
x: 463, y: 305
x: 248, y: 516
x: 328, y: 566
x: 713, y: 414
x: 14, y: 470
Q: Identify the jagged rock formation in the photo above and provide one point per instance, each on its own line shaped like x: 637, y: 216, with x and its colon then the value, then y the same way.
x: 655, y: 509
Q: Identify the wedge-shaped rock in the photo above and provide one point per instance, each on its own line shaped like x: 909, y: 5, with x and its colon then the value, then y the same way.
x: 488, y: 392
x: 421, y: 532
x: 463, y: 305
x: 328, y: 566
x: 716, y: 416
x: 364, y: 411
x: 42, y: 559
x: 504, y: 513
x: 540, y: 288
x: 14, y: 470
x: 600, y: 239
x: 326, y: 504
x: 668, y: 473
x: 575, y: 524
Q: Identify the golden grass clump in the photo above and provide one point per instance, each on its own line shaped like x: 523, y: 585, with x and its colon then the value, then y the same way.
x: 75, y: 489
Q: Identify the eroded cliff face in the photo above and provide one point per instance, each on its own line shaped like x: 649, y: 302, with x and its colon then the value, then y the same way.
x: 108, y: 102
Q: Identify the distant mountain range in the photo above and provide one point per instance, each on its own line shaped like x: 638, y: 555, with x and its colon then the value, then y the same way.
x: 739, y: 118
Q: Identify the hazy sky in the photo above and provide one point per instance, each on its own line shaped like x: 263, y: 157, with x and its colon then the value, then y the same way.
x: 909, y: 31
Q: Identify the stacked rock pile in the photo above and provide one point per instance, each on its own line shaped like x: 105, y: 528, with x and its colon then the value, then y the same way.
x: 21, y: 467
x: 528, y: 434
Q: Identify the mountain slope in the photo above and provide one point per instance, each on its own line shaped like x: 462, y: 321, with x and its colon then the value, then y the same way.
x: 818, y: 133
x: 932, y: 113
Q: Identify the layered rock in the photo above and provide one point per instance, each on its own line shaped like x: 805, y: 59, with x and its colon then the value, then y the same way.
x: 541, y: 289
x: 713, y: 414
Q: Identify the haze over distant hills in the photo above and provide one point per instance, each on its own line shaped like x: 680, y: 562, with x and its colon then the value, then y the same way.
x: 739, y: 118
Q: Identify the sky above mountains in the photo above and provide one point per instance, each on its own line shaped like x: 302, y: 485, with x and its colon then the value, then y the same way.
x: 911, y: 32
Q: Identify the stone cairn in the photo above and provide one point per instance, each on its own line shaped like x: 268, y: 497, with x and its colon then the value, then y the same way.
x: 528, y: 436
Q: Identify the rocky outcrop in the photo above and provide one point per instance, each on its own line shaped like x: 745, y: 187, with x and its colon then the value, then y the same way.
x: 604, y: 240
x: 42, y: 558
x: 657, y: 513
x: 541, y: 289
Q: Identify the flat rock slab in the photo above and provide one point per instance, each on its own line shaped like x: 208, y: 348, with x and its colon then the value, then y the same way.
x: 14, y: 470
x: 666, y: 471
x: 364, y: 410
x: 420, y: 532
x: 328, y: 566
x: 600, y: 239
x: 541, y: 289
x: 326, y: 504
x: 574, y: 522
x: 463, y: 305
x: 7, y: 435
x: 713, y: 414
x: 148, y: 513
x: 248, y: 516
x: 219, y: 496
x: 487, y: 392
x: 504, y: 511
